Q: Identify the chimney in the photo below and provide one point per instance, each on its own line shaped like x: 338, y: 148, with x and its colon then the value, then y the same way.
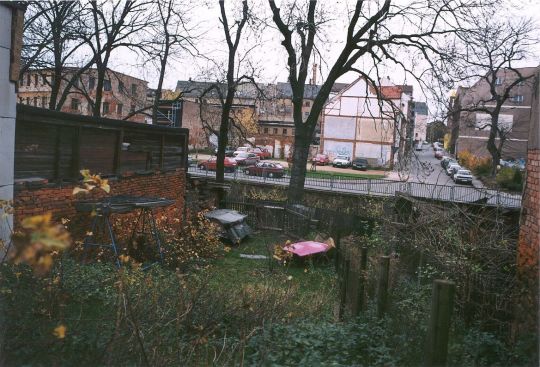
x: 314, y: 78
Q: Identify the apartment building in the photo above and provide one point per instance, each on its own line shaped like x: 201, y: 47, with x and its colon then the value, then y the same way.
x: 358, y: 123
x: 470, y: 129
x: 122, y: 94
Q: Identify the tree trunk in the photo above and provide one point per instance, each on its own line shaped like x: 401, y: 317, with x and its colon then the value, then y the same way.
x: 492, y: 148
x: 101, y: 68
x: 298, y: 172
x: 159, y: 88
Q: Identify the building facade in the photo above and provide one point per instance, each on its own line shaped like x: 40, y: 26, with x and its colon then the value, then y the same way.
x: 420, y: 121
x: 470, y: 127
x: 122, y: 94
x: 358, y: 123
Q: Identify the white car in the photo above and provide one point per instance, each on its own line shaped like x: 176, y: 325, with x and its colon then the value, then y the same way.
x: 341, y: 161
x: 463, y: 175
x: 452, y: 168
x: 240, y: 150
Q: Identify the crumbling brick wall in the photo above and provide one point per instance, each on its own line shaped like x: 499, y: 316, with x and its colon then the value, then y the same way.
x: 35, y: 198
x: 529, y: 244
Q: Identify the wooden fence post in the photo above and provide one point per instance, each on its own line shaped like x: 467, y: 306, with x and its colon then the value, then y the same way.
x: 344, y: 278
x: 382, y: 291
x: 442, y: 304
x: 361, y: 282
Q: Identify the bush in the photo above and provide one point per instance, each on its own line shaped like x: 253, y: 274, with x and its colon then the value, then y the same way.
x: 183, y: 241
x: 510, y: 179
x: 478, y: 165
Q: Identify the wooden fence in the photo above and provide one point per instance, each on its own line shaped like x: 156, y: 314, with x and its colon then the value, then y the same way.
x: 56, y: 145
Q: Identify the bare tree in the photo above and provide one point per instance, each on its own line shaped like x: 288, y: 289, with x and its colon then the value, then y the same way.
x: 171, y: 35
x: 115, y: 25
x: 371, y: 35
x: 487, y: 57
x: 52, y: 37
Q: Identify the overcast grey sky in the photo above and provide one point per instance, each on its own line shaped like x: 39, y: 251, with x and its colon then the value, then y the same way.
x: 268, y: 55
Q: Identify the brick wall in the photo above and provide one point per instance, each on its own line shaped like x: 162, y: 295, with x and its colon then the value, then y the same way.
x: 529, y: 240
x: 34, y: 198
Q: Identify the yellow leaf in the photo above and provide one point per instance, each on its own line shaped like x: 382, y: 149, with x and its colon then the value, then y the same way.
x: 60, y: 332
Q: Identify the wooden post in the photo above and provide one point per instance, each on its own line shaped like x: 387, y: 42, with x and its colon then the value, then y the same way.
x: 382, y: 291
x: 442, y: 304
x: 338, y: 250
x: 361, y: 282
x: 345, y: 268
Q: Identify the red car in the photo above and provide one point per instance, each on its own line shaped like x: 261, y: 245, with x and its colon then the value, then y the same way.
x: 266, y: 169
x: 246, y: 159
x: 439, y: 154
x: 321, y: 160
x: 263, y: 153
x: 210, y: 165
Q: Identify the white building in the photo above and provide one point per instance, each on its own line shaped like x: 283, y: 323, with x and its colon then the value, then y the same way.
x: 420, y: 121
x: 358, y: 123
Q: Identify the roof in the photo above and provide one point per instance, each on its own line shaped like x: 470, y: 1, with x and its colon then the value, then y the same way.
x: 70, y: 68
x: 391, y: 92
x: 194, y: 89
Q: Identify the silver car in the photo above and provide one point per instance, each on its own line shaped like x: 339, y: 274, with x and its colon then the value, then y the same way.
x: 463, y: 175
x: 451, y: 167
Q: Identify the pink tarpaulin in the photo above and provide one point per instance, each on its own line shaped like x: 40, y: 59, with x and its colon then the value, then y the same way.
x: 307, y: 248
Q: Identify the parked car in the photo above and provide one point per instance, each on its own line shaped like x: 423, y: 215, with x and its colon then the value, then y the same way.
x: 445, y: 161
x: 360, y: 163
x: 419, y: 146
x: 452, y: 167
x: 246, y: 159
x: 321, y: 160
x: 266, y: 169
x: 343, y: 161
x: 229, y: 151
x: 240, y: 150
x: 463, y: 175
x: 211, y: 164
x: 263, y: 153
x: 439, y: 153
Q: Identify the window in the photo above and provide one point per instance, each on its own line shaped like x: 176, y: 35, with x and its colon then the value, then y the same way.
x: 36, y: 78
x: 517, y: 99
x: 107, y: 85
x: 35, y: 101
x: 44, y: 102
x: 306, y: 114
x: 21, y: 81
x: 44, y: 79
x: 266, y: 130
x: 132, y: 108
x: 275, y: 130
x: 307, y: 104
x: 119, y: 108
x: 498, y: 81
x: 28, y: 100
x: 76, y: 82
x: 75, y: 103
x: 20, y: 100
x: 120, y: 86
x: 105, y: 108
x: 133, y: 89
x: 284, y: 131
x: 91, y: 83
x: 27, y: 80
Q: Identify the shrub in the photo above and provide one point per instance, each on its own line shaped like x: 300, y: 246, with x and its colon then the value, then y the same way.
x: 510, y: 179
x: 480, y: 166
x: 183, y: 241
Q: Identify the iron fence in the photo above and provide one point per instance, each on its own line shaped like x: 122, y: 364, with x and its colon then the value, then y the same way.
x: 382, y: 187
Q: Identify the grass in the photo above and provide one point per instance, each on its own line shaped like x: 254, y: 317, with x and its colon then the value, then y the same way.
x: 314, y: 279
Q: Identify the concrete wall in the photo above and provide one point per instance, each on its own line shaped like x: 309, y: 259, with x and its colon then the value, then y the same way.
x: 7, y: 117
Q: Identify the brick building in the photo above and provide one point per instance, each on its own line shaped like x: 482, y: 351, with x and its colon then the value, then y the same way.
x: 469, y: 129
x: 122, y: 94
x: 529, y: 232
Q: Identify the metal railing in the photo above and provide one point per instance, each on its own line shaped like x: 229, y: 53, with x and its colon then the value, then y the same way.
x: 382, y: 187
